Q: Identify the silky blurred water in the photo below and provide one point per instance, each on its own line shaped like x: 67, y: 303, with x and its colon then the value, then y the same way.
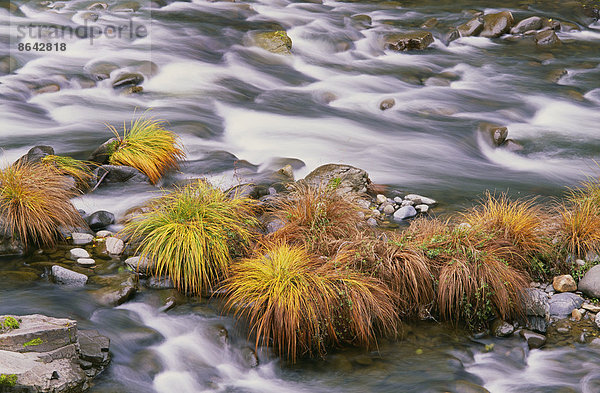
x: 232, y: 103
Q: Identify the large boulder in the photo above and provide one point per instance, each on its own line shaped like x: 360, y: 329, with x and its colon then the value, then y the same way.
x: 273, y: 41
x: 590, y: 283
x: 494, y: 25
x: 344, y: 178
x: 417, y: 40
x: 46, y: 354
x: 116, y: 289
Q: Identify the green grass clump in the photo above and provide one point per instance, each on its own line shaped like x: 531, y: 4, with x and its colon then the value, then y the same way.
x: 34, y: 202
x: 34, y: 342
x: 8, y: 379
x: 148, y: 147
x: 78, y: 170
x: 191, y: 234
x: 10, y: 323
x: 302, y: 304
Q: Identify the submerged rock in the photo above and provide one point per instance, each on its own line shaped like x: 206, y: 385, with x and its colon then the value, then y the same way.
x: 534, y: 340
x: 48, y: 354
x: 119, y: 289
x: 417, y: 40
x: 494, y: 25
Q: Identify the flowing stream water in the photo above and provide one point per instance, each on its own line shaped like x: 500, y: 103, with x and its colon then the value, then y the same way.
x: 242, y: 111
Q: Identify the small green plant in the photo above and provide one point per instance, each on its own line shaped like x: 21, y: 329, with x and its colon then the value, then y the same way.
x: 334, y: 183
x: 191, y: 234
x: 146, y: 146
x: 8, y: 379
x: 35, y: 202
x: 10, y: 323
x: 33, y: 343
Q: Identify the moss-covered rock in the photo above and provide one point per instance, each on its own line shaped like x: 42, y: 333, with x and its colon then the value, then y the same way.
x: 273, y: 41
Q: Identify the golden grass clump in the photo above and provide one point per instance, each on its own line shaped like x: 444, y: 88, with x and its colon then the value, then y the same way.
x: 580, y: 226
x: 284, y: 298
x: 78, y: 170
x: 315, y: 217
x: 34, y: 202
x: 521, y: 222
x: 146, y: 146
x: 303, y: 304
x: 191, y: 234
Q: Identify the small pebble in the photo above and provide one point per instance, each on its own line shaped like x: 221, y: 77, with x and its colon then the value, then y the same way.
x: 422, y: 208
x: 86, y: 262
x: 381, y: 199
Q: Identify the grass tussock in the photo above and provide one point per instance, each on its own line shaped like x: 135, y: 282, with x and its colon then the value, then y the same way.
x: 34, y: 202
x: 191, y: 234
x: 315, y: 217
x: 580, y: 226
x: 146, y: 146
x: 477, y: 274
x: 78, y: 170
x: 521, y: 222
x: 303, y: 304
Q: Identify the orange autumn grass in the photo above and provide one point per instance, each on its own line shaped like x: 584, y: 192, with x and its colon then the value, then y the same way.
x: 304, y: 304
x: 146, y: 146
x: 35, y: 201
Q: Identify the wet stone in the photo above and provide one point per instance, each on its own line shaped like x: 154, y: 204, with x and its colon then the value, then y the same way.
x: 418, y: 40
